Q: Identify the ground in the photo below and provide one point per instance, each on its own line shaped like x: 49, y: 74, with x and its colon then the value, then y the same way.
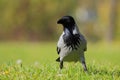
x: 36, y: 61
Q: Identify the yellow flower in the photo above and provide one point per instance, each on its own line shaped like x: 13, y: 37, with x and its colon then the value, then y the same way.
x: 6, y: 72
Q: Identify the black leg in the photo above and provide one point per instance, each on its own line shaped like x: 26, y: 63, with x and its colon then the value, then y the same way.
x: 61, y: 64
x: 84, y: 65
x: 82, y: 59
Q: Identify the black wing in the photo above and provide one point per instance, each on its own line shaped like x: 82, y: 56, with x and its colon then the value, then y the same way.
x: 85, y: 49
x: 58, y: 50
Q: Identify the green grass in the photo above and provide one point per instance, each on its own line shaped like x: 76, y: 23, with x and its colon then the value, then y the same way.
x: 38, y: 62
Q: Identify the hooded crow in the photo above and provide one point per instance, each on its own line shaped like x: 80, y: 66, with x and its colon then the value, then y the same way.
x: 71, y: 44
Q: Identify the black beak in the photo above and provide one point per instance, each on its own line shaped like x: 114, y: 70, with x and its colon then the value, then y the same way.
x: 60, y: 21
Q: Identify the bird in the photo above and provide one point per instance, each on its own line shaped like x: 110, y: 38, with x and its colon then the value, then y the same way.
x: 71, y: 44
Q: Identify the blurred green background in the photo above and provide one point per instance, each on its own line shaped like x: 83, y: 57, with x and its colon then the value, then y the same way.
x: 28, y: 28
x: 35, y: 20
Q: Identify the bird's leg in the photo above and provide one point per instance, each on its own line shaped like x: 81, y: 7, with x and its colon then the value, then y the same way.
x: 82, y: 59
x: 61, y: 64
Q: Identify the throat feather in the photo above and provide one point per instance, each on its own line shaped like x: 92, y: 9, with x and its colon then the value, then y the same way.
x: 71, y: 40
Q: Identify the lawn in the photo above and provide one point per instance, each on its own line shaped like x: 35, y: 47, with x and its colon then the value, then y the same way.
x: 36, y: 61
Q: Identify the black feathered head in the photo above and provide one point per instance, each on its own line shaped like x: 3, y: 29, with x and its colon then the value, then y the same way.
x: 66, y: 21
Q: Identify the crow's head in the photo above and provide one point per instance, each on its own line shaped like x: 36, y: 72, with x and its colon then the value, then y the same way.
x: 66, y: 21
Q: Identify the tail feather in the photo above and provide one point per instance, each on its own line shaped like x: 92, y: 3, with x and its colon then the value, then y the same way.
x: 58, y: 59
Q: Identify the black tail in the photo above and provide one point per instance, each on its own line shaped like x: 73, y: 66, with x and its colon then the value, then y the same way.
x: 58, y: 59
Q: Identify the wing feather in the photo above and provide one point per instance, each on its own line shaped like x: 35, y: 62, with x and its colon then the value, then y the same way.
x: 58, y: 50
